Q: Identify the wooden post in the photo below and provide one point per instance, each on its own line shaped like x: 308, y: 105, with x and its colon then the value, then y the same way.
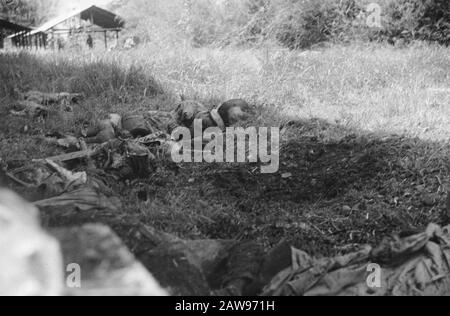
x: 106, y: 40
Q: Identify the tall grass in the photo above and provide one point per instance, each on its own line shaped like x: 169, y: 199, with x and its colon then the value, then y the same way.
x: 88, y: 74
x: 374, y: 88
x: 368, y: 87
x: 296, y: 24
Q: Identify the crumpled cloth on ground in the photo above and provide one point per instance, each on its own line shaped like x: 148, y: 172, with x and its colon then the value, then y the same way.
x: 62, y: 188
x: 84, y: 199
x: 418, y: 265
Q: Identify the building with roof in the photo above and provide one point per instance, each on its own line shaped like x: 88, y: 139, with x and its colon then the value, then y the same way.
x: 7, y: 28
x: 85, y: 23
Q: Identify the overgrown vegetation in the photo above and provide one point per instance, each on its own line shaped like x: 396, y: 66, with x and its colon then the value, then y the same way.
x: 29, y: 12
x: 292, y: 23
x: 427, y: 20
x: 90, y: 76
x: 295, y: 23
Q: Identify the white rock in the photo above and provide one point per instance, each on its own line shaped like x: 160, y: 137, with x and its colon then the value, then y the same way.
x: 30, y: 261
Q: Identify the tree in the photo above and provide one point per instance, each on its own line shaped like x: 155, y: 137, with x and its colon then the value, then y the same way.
x: 30, y: 12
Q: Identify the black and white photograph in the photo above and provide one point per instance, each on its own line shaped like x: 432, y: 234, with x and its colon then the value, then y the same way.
x: 224, y: 155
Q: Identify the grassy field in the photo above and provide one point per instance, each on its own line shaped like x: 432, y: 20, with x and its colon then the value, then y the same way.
x: 377, y: 89
x: 365, y: 132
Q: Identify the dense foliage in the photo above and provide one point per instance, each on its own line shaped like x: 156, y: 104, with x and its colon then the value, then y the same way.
x: 418, y: 19
x: 292, y: 23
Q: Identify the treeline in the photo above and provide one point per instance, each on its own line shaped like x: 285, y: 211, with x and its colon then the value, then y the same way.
x: 295, y: 24
x: 303, y: 23
x: 291, y: 23
x: 29, y: 12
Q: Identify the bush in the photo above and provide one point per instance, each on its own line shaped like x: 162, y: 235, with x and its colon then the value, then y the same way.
x: 303, y: 23
x: 409, y: 20
x: 296, y: 24
x: 217, y: 23
x: 434, y: 22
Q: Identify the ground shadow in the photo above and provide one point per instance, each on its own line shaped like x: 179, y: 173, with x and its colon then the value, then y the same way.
x: 336, y: 186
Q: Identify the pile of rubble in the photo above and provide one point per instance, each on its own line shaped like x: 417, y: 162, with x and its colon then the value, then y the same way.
x: 123, y: 147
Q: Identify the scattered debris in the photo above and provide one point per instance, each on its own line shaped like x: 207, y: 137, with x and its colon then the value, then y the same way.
x: 29, y: 109
x: 76, y: 191
x: 129, y: 158
x: 83, y: 199
x: 411, y: 266
x: 73, y: 179
x: 126, y: 147
x: 49, y: 99
x: 38, y: 104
